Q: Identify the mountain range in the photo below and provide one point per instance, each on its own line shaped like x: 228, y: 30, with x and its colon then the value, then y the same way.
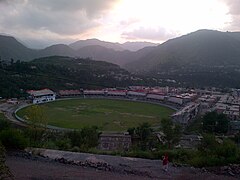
x: 206, y: 48
x: 205, y: 57
x: 131, y: 46
x: 117, y: 53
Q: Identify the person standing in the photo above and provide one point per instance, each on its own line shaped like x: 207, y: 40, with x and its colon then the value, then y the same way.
x: 165, y: 162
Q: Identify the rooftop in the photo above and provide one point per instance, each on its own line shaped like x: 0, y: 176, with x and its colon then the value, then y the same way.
x: 40, y: 92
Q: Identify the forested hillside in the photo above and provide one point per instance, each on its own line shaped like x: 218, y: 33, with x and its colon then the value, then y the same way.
x: 58, y: 72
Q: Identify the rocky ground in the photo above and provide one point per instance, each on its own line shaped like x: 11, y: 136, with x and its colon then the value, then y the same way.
x: 52, y: 164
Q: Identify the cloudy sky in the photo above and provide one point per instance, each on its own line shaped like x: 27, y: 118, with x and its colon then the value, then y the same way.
x: 39, y: 23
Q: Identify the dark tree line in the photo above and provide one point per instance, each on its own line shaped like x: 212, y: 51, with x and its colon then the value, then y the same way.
x: 215, y: 123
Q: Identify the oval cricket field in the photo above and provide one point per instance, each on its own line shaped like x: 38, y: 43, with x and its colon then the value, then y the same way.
x: 106, y: 114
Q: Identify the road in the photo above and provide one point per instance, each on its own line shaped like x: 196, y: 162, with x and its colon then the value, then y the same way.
x: 38, y: 167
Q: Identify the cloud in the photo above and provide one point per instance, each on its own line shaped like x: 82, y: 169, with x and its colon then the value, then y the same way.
x: 234, y: 6
x: 92, y: 8
x: 52, y: 18
x: 11, y: 2
x: 234, y: 12
x: 128, y: 22
x: 63, y: 23
x: 156, y: 34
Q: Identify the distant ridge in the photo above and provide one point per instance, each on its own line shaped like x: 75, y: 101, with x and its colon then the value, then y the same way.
x: 131, y: 46
x: 95, y: 42
x: 58, y: 49
x: 10, y: 48
x: 203, y: 48
x: 200, y: 48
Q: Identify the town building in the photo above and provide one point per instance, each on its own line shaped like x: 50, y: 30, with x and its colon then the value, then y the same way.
x: 41, y: 96
x: 230, y: 106
x: 115, y: 141
x: 116, y: 93
x: 159, y: 90
x: 136, y: 94
x: 156, y: 97
x: 206, y: 103
x: 182, y: 99
x: 185, y: 115
x: 176, y: 99
x: 12, y: 101
x: 69, y: 93
x: 94, y: 92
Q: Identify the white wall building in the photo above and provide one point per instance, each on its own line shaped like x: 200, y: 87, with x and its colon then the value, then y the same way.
x: 42, y: 96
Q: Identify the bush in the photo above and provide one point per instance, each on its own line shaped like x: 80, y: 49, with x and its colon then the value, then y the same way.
x: 227, y: 149
x: 4, y: 170
x: 205, y: 161
x: 63, y: 144
x: 85, y: 138
x: 175, y: 155
x: 75, y: 137
x: 212, y: 153
x: 198, y: 161
x: 4, y: 124
x: 36, y: 136
x: 140, y: 154
x: 50, y: 145
x: 75, y: 149
x: 13, y: 139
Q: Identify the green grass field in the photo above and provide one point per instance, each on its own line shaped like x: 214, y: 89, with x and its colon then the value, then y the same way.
x: 108, y: 115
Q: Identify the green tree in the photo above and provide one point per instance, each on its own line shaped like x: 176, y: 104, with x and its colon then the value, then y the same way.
x: 89, y: 137
x: 36, y: 116
x: 4, y: 124
x: 171, y: 131
x: 209, y: 121
x: 75, y: 137
x: 38, y: 123
x: 208, y: 144
x: 222, y: 124
x: 131, y: 131
x: 84, y: 138
x: 13, y: 139
x: 213, y: 152
x: 144, y: 131
x: 228, y: 149
x: 215, y: 123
